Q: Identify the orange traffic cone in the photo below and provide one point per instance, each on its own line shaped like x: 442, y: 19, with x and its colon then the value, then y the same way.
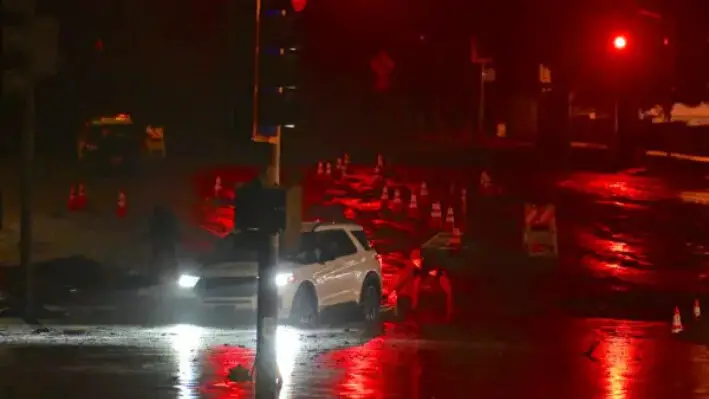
x: 339, y: 164
x: 486, y: 187
x: 321, y: 169
x: 71, y: 202
x: 385, y: 194
x: 121, y: 206
x: 81, y: 199
x: 456, y: 236
x: 450, y: 219
x: 347, y: 159
x: 697, y: 310
x: 328, y: 169
x: 436, y: 215
x: 424, y: 190
x: 217, y: 187
x: 413, y: 206
x: 396, y: 201
x: 485, y: 180
x: 677, y: 322
x: 384, y: 198
x: 380, y: 162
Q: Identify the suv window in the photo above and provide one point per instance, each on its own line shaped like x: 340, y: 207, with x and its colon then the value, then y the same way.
x: 337, y: 242
x: 362, y: 239
x: 305, y: 253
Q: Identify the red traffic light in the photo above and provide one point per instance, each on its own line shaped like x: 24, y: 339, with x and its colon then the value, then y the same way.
x: 299, y: 5
x: 620, y: 42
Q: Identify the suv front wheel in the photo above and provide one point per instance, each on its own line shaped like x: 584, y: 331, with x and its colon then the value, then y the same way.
x: 370, y: 302
x: 304, y: 312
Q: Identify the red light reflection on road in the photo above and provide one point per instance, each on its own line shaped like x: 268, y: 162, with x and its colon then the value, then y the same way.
x: 222, y: 359
x: 618, y: 361
x: 362, y: 370
x: 629, y: 362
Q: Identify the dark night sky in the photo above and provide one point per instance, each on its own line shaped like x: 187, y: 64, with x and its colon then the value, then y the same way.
x: 187, y: 63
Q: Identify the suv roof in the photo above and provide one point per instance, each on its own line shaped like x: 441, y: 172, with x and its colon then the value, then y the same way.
x: 320, y: 226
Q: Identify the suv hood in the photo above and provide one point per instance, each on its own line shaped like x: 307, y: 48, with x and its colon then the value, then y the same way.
x: 230, y: 269
x: 239, y: 269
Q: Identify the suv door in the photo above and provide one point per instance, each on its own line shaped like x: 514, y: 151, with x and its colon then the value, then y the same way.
x: 338, y: 244
x: 366, y: 261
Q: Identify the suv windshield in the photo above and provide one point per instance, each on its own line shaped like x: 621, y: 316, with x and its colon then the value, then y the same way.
x: 305, y: 253
x: 232, y: 248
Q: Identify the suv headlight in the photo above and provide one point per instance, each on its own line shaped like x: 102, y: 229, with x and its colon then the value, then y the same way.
x: 187, y: 281
x: 283, y: 279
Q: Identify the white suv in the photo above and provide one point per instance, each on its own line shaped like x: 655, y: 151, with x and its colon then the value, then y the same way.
x: 334, y: 265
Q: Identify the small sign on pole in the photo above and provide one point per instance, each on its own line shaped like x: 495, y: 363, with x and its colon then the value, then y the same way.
x: 544, y: 74
x: 540, y: 233
x: 489, y: 75
x: 269, y: 135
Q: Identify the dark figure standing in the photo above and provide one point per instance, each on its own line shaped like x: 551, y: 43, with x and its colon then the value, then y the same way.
x: 164, y: 236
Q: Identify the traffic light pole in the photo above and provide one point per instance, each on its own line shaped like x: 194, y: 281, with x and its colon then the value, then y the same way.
x: 26, y: 194
x: 26, y: 8
x: 268, y: 379
x: 481, y: 104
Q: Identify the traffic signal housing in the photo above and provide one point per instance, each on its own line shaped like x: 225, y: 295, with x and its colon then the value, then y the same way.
x: 278, y: 70
x: 29, y: 45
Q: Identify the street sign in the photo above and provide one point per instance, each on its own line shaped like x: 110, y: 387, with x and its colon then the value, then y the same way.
x: 540, y: 232
x: 45, y: 46
x: 475, y: 56
x: 267, y: 134
x: 544, y: 74
x: 488, y: 75
x: 382, y: 65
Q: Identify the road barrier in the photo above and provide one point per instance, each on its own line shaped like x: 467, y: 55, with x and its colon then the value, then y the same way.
x: 540, y: 232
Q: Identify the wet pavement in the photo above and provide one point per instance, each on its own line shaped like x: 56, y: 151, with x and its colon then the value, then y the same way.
x: 595, y: 323
x: 540, y: 358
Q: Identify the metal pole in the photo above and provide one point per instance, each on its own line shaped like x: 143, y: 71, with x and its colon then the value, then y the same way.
x: 481, y: 103
x: 268, y: 378
x: 257, y: 67
x: 615, y: 118
x: 26, y: 200
x: 276, y: 158
x: 26, y: 185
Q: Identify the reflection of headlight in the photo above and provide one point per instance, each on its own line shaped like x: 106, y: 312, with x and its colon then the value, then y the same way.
x: 187, y: 281
x: 283, y: 279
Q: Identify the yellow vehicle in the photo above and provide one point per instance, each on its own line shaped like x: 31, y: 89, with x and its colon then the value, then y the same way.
x: 118, y: 139
x: 106, y: 137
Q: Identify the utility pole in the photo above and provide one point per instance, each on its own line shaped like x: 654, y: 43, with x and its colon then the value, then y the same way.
x: 481, y: 102
x: 26, y: 194
x: 30, y: 46
x: 267, y: 375
x: 275, y: 57
x: 475, y: 58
